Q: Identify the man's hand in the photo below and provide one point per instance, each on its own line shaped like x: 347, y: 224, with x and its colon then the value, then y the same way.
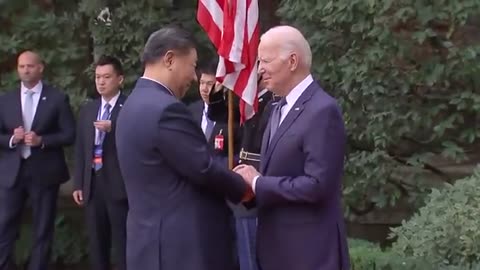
x: 32, y: 139
x: 78, y: 197
x: 18, y: 135
x: 248, y: 173
x: 103, y: 125
x: 218, y: 87
x: 248, y: 196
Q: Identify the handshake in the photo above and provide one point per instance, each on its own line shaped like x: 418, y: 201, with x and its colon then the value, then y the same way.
x: 248, y: 173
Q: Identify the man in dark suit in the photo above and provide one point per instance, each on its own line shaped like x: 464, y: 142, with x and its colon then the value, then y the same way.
x: 216, y: 131
x: 97, y: 179
x: 250, y: 142
x: 36, y: 122
x: 178, y: 218
x: 298, y: 193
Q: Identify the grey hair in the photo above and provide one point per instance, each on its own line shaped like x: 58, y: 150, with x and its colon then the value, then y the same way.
x: 164, y: 40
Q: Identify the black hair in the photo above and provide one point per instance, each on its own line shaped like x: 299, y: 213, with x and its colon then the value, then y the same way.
x: 110, y: 60
x: 166, y: 39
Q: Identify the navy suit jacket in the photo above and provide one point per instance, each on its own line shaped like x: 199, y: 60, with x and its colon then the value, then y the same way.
x: 53, y: 121
x: 84, y: 145
x: 178, y: 218
x: 300, y: 220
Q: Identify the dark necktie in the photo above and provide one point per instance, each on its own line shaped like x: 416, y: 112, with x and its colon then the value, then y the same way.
x: 105, y: 116
x: 275, y: 118
x: 98, y: 149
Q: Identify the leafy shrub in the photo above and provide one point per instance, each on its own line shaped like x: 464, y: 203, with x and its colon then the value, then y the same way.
x: 369, y: 256
x: 446, y: 229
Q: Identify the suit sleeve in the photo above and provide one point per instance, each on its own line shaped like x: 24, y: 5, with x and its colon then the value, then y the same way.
x: 5, y: 135
x: 66, y: 127
x: 186, y: 150
x: 78, y: 171
x: 324, y: 149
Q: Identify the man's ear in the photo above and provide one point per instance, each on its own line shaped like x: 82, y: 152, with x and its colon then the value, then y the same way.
x: 169, y: 59
x: 293, y: 61
x: 42, y: 67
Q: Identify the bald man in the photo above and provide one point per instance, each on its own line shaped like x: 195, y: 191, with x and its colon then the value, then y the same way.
x: 36, y: 122
x: 298, y: 189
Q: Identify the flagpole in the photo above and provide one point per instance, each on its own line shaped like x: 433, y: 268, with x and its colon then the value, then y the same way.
x: 230, y: 130
x: 230, y: 118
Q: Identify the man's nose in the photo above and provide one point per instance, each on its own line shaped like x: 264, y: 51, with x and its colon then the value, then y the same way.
x: 261, y: 70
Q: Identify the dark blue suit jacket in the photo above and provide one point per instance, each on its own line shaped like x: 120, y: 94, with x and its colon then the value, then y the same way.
x: 53, y: 121
x: 178, y: 218
x: 300, y: 221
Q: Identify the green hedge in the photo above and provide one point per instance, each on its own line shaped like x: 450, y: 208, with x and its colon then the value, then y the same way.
x: 368, y: 256
x: 446, y: 229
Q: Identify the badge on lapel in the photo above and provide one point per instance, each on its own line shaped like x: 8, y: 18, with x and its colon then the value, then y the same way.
x: 44, y: 98
x: 219, y: 140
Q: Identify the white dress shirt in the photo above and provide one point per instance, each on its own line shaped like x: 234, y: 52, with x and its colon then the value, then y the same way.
x: 112, y: 103
x: 291, y: 99
x: 293, y: 96
x: 37, y: 92
x: 204, y: 118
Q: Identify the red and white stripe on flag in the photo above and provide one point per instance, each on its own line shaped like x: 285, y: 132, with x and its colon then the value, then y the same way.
x: 233, y: 28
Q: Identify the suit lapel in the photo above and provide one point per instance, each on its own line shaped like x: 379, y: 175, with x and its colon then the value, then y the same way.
x: 118, y: 106
x: 91, y: 117
x: 41, y: 107
x: 215, y: 131
x: 291, y: 116
x: 199, y: 114
x: 263, y: 152
x: 17, y: 108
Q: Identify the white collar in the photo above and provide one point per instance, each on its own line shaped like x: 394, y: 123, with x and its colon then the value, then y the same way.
x: 297, y: 91
x: 36, y: 89
x: 112, y: 101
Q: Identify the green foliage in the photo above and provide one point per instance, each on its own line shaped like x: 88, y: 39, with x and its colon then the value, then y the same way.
x: 132, y: 18
x: 446, y: 228
x: 71, y: 35
x: 57, y: 37
x: 406, y: 75
x: 368, y: 256
x: 122, y: 29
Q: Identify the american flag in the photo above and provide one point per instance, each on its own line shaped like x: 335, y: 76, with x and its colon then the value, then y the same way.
x: 232, y: 26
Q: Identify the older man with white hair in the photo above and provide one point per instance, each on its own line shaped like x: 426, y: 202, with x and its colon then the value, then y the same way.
x: 298, y: 188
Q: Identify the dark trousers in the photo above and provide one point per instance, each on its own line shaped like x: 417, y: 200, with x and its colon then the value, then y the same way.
x: 106, y: 224
x: 43, y: 201
x: 246, y: 232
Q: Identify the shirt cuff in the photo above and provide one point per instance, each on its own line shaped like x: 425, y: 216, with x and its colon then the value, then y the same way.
x: 254, y: 182
x: 10, y: 143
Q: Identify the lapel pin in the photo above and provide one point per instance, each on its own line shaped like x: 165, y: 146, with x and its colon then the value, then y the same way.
x: 296, y: 109
x: 260, y: 100
x: 44, y: 98
x: 121, y: 105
